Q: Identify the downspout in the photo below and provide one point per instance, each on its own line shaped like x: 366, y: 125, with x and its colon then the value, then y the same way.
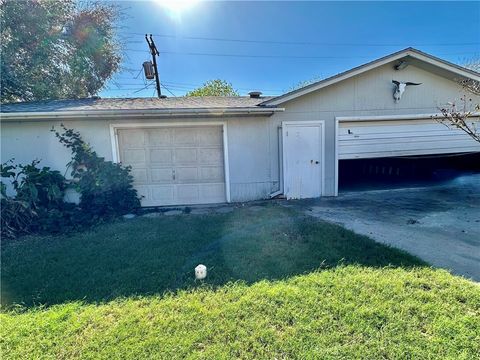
x: 280, y: 164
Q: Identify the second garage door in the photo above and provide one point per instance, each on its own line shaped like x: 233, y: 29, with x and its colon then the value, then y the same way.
x: 175, y: 165
x: 376, y: 139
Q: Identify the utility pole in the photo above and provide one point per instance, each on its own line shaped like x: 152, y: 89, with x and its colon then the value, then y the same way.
x: 155, y: 53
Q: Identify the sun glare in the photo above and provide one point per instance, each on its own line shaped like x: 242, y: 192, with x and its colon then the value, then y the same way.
x: 176, y: 6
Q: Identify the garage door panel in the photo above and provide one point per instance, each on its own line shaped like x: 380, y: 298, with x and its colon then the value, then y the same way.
x: 185, y: 136
x: 133, y: 139
x: 187, y: 174
x: 369, y: 127
x: 163, y: 194
x: 160, y: 137
x: 175, y: 165
x: 212, y: 191
x: 161, y: 175
x: 143, y: 191
x: 368, y: 139
x: 134, y: 157
x: 386, y: 134
x: 210, y: 136
x: 422, y: 141
x: 212, y: 173
x: 161, y: 156
x: 140, y: 175
x: 186, y: 156
x: 382, y: 154
x: 187, y: 194
x: 210, y: 156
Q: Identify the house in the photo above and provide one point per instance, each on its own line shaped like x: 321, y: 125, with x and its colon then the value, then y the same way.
x: 228, y: 149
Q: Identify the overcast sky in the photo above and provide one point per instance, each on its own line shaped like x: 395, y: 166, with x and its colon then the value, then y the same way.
x: 272, y: 46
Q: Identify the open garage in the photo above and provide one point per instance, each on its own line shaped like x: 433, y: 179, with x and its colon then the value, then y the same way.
x: 388, y: 153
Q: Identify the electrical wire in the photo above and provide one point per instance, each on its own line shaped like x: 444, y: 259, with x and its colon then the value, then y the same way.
x: 304, y: 42
x: 280, y: 56
x: 166, y: 88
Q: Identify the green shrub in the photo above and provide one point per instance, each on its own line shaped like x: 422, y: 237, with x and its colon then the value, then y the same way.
x: 40, y: 187
x: 106, y: 189
x: 16, y: 217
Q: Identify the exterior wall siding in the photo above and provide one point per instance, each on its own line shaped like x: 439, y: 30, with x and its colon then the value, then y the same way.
x: 368, y: 94
x: 248, y: 148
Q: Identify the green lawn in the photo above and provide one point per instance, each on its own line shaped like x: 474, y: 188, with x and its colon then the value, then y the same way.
x: 147, y: 256
x: 126, y: 290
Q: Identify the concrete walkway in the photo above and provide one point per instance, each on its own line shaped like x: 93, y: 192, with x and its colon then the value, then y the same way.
x: 440, y: 224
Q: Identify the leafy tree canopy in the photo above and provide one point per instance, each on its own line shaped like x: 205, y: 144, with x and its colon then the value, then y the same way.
x: 54, y: 49
x: 215, y: 87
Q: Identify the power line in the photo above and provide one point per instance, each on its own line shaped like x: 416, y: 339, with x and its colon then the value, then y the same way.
x: 173, y: 86
x: 306, y: 42
x: 166, y: 88
x: 284, y: 56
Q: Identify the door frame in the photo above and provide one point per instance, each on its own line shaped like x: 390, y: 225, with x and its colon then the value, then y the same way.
x: 285, y: 125
x: 223, y: 124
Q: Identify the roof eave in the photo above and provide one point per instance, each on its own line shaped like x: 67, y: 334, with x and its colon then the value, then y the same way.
x: 466, y: 73
x: 115, y: 114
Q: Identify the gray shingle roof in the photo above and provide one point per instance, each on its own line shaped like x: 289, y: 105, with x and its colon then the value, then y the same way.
x: 92, y: 104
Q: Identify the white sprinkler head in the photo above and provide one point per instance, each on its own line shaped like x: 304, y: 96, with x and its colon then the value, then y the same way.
x: 200, y: 272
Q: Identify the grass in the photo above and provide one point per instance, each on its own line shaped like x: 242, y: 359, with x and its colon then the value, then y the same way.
x: 344, y: 313
x: 146, y: 256
x: 125, y: 290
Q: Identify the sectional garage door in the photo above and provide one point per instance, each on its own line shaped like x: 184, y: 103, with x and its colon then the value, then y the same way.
x: 175, y: 165
x: 375, y: 139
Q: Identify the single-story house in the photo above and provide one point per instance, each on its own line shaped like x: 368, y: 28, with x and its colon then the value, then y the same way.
x: 197, y: 150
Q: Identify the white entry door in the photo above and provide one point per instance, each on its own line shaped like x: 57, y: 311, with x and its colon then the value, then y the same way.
x: 175, y: 165
x: 303, y: 159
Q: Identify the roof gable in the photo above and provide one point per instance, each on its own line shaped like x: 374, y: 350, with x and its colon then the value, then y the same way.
x: 406, y: 53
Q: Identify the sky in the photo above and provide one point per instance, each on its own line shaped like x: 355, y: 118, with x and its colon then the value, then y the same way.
x: 273, y: 46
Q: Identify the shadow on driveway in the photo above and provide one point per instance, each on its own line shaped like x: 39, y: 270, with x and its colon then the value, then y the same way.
x: 440, y: 224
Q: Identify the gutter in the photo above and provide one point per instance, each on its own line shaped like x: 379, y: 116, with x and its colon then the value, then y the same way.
x: 125, y: 114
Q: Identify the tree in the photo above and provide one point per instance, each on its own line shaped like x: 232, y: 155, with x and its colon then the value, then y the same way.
x: 215, y: 87
x: 457, y: 114
x: 56, y: 49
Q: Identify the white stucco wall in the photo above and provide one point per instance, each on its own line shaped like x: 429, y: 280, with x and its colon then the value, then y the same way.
x: 248, y: 147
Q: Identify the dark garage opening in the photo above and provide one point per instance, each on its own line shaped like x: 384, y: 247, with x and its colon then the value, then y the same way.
x: 408, y: 171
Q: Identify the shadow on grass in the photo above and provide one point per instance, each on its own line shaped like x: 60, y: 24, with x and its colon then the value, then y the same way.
x: 146, y: 256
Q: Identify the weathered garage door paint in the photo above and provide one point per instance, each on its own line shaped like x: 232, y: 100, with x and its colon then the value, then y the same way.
x: 375, y: 139
x: 303, y: 159
x: 175, y: 165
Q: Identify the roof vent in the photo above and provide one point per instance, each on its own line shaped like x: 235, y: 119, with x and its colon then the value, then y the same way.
x: 255, y: 94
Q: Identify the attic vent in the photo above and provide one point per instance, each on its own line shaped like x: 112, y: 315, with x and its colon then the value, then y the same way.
x: 255, y: 94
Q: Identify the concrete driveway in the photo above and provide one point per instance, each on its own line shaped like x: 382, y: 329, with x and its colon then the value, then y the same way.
x: 440, y: 223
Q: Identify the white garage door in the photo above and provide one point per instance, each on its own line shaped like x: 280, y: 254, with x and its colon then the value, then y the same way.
x: 373, y: 139
x: 175, y: 165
